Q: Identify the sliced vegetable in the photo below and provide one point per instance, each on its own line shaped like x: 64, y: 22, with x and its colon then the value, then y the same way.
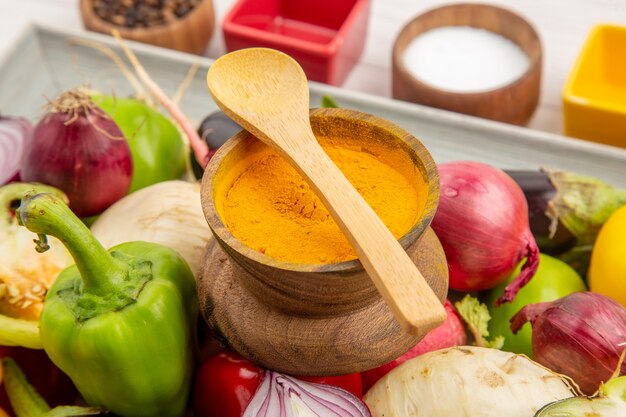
x: 482, y: 223
x: 27, y: 402
x: 466, y: 381
x: 610, y: 401
x: 25, y: 275
x: 554, y: 279
x: 79, y: 149
x: 157, y: 147
x: 450, y: 333
x: 226, y: 383
x: 15, y: 133
x: 168, y: 213
x: 578, y: 335
x: 607, y: 271
x: 119, y: 323
x: 282, y: 395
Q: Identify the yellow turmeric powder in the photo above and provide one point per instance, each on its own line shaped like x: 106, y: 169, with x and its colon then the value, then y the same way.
x: 272, y: 209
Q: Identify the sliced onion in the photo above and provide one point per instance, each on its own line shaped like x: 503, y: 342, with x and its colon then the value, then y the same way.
x: 14, y: 132
x: 280, y: 395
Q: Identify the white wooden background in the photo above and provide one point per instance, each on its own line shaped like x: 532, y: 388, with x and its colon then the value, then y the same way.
x: 562, y: 24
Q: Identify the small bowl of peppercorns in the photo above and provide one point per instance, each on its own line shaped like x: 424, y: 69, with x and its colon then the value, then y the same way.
x: 184, y: 25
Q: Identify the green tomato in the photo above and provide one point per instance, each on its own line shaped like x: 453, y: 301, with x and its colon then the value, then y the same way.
x: 554, y: 279
x: 156, y: 145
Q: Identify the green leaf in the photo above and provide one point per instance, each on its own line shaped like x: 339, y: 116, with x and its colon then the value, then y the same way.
x: 476, y: 316
x: 328, y: 102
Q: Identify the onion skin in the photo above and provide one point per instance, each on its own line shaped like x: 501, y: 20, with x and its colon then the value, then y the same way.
x: 577, y: 335
x: 482, y: 223
x: 87, y: 157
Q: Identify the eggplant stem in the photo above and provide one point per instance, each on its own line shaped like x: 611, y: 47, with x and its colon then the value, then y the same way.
x: 199, y: 147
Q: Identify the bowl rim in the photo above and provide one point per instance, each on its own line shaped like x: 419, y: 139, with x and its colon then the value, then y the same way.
x: 568, y: 90
x: 534, y: 62
x: 327, y: 50
x: 223, y: 234
x: 88, y: 11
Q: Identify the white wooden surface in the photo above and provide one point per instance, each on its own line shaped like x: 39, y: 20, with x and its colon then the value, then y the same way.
x: 562, y: 24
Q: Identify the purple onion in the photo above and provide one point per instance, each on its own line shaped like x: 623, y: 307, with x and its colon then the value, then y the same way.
x: 79, y: 149
x: 15, y: 132
x: 278, y: 394
x: 580, y: 335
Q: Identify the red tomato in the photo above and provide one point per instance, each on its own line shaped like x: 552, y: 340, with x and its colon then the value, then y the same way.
x: 350, y: 382
x: 226, y: 382
x: 53, y: 385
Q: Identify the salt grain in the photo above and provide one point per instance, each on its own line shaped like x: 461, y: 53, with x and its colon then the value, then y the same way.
x: 464, y: 59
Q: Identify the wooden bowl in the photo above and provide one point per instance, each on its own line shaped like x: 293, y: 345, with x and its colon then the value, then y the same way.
x: 191, y: 33
x: 513, y: 103
x: 312, y: 319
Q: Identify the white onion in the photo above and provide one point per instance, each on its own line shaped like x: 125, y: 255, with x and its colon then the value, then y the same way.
x: 168, y: 213
x: 466, y: 381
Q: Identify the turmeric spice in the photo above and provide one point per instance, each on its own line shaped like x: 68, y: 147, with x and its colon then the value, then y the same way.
x: 272, y: 209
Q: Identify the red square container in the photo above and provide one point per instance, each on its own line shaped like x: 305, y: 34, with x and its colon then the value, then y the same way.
x: 325, y: 36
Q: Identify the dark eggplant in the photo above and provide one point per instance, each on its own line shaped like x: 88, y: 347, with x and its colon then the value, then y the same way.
x: 539, y: 191
x: 215, y: 129
x: 566, y: 209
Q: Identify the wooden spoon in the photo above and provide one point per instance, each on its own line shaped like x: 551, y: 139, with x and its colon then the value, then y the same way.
x: 266, y: 92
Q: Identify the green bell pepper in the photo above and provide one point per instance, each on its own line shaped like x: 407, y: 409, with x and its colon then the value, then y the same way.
x: 158, y: 150
x: 121, y: 323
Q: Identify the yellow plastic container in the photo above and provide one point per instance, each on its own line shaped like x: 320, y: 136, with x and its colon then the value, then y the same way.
x: 594, y: 98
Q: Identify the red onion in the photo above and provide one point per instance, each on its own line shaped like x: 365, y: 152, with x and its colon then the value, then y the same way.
x: 482, y: 223
x: 15, y: 132
x: 280, y: 395
x: 578, y: 335
x: 450, y: 333
x: 79, y: 149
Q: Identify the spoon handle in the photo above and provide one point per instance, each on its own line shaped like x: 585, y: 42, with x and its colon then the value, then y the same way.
x: 402, y: 286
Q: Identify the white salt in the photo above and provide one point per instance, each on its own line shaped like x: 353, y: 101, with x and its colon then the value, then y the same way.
x: 464, y: 59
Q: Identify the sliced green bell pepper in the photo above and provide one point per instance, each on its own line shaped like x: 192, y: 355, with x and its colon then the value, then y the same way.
x: 121, y: 323
x: 156, y: 145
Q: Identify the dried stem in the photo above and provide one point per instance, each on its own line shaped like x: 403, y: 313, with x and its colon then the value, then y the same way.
x: 199, y: 147
x: 185, y: 84
x: 139, y: 90
x: 76, y: 103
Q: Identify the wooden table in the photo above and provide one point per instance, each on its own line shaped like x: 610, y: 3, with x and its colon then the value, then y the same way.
x: 562, y: 24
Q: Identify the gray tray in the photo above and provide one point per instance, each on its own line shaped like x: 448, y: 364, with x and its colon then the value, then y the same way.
x: 43, y: 63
